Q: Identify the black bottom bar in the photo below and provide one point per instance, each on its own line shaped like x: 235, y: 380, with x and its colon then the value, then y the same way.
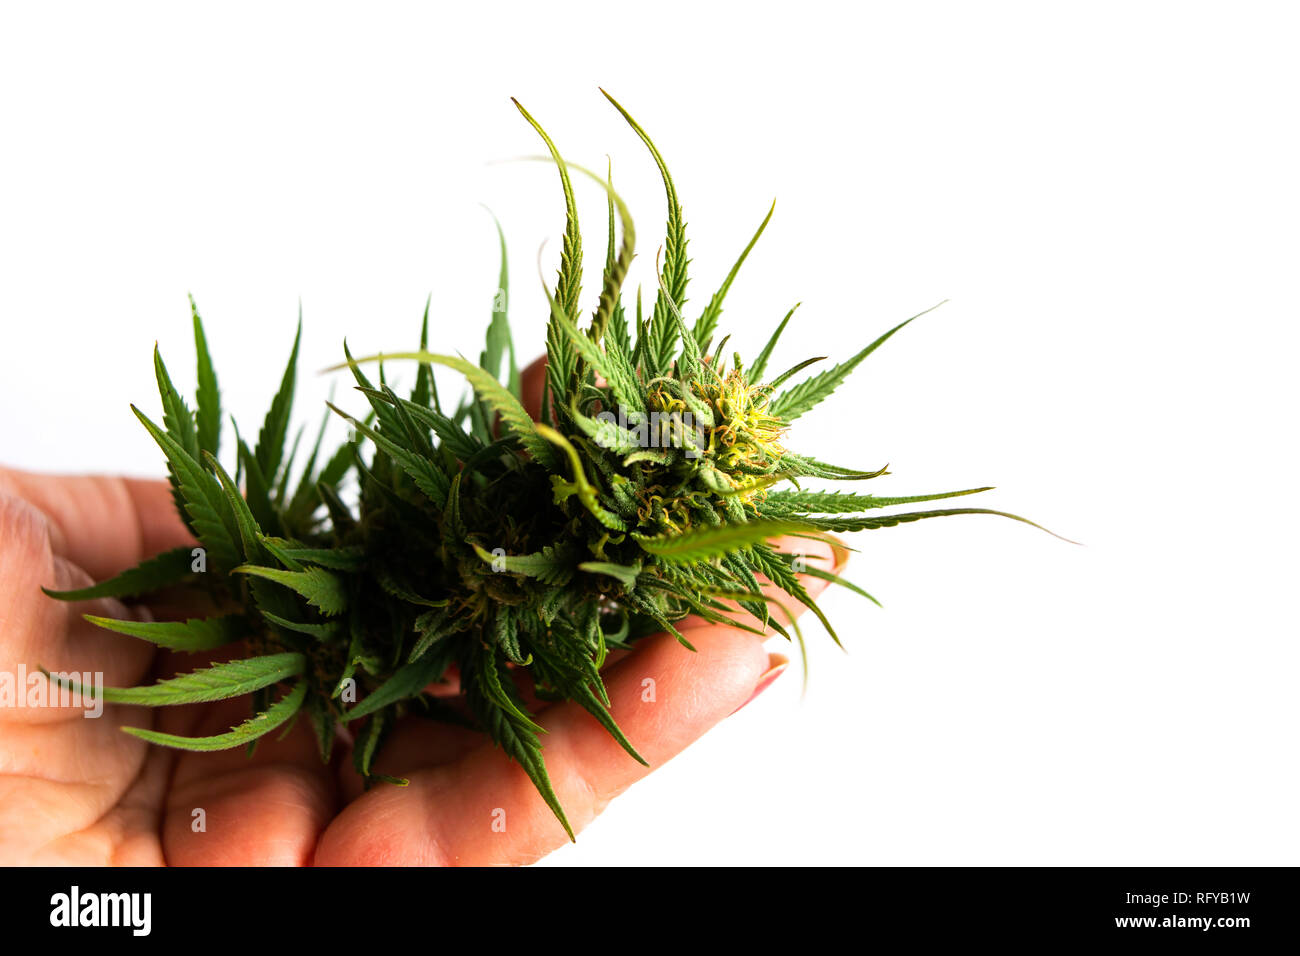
x: 1230, y: 907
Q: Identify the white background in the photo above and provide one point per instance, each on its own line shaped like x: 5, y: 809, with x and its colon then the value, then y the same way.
x: 1106, y: 192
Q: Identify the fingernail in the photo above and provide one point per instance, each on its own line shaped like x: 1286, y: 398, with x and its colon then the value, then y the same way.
x: 777, y: 668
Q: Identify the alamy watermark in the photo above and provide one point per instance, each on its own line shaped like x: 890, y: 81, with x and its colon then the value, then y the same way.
x: 81, y: 691
x: 656, y: 430
x: 75, y: 908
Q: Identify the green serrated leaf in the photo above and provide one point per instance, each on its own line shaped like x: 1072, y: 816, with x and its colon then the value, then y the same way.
x: 889, y: 521
x: 759, y: 365
x: 428, y: 477
x: 499, y: 709
x: 623, y: 572
x: 708, y: 543
x: 270, y: 440
x: 546, y: 565
x: 322, y: 589
x: 663, y: 329
x: 490, y: 390
x: 218, y: 682
x: 204, y: 502
x: 194, y: 634
x: 246, y: 732
x: 708, y: 320
x: 208, y: 395
x: 407, y: 681
x: 798, y: 399
x: 839, y: 502
x: 162, y: 571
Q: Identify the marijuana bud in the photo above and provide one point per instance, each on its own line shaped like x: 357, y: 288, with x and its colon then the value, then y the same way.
x: 468, y: 539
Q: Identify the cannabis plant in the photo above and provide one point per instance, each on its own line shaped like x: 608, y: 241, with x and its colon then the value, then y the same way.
x: 470, y: 536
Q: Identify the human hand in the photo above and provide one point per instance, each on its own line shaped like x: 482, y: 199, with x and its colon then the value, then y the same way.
x: 79, y: 791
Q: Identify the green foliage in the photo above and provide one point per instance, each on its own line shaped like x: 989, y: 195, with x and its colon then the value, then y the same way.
x: 200, y: 498
x: 478, y: 542
x: 218, y: 682
x: 407, y: 681
x: 208, y: 394
x: 256, y: 726
x: 696, y: 547
x: 662, y: 336
x: 790, y: 404
x: 321, y: 588
x: 496, y: 703
x: 165, y: 570
x: 708, y: 321
x: 270, y: 440
x: 195, y: 634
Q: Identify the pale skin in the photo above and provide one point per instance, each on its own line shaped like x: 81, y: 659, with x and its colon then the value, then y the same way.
x: 80, y: 791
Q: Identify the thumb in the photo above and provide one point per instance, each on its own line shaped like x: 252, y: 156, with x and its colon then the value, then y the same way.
x: 101, y: 523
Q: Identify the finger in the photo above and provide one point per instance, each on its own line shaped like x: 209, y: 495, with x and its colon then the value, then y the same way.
x: 83, y: 828
x: 662, y: 695
x: 103, y: 524
x: 61, y: 772
x: 416, y: 743
x: 40, y: 632
x: 82, y: 793
x: 483, y: 809
x: 391, y: 825
x: 227, y: 809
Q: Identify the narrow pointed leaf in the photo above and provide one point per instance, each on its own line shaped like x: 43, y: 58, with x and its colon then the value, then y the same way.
x: 204, y: 502
x: 208, y: 395
x: 270, y: 440
x: 322, y: 589
x: 194, y: 634
x: 759, y: 366
x: 163, y: 571
x: 490, y: 390
x: 218, y: 682
x: 708, y: 320
x: 710, y: 543
x: 407, y: 681
x: 239, y: 736
x: 792, y: 403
